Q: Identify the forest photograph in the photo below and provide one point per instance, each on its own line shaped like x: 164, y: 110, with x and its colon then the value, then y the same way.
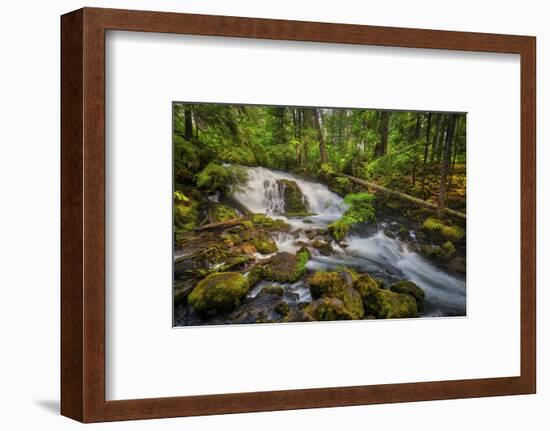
x: 305, y: 214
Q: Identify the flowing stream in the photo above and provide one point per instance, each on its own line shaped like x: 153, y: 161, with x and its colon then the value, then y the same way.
x: 384, y: 257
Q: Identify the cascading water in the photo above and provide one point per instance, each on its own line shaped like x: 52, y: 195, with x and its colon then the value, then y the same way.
x: 384, y: 257
x: 263, y: 194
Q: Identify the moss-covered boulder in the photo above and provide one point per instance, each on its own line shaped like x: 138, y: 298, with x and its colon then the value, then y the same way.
x: 445, y: 231
x: 296, y: 204
x: 327, y: 309
x: 261, y: 221
x: 264, y: 244
x: 286, y: 267
x: 365, y: 284
x: 409, y: 288
x: 337, y: 285
x: 385, y: 304
x: 325, y: 248
x: 255, y: 275
x: 218, y: 293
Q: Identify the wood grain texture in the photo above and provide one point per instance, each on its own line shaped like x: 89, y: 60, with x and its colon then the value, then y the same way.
x: 72, y: 305
x: 83, y: 214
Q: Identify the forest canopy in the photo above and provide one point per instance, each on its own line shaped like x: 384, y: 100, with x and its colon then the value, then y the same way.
x: 419, y: 153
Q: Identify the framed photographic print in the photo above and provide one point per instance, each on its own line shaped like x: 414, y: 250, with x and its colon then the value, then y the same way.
x: 267, y: 215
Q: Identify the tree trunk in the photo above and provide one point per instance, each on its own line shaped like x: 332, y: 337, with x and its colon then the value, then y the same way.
x: 188, y: 133
x: 426, y: 146
x: 455, y: 147
x: 322, y: 148
x: 438, y: 122
x: 451, y: 122
x: 383, y: 130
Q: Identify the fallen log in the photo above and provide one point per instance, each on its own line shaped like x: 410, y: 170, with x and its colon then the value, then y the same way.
x: 404, y: 196
x: 220, y: 225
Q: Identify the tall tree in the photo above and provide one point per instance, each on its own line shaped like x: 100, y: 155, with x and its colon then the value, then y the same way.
x: 318, y: 125
x: 426, y: 147
x: 381, y: 148
x: 188, y: 132
x: 449, y: 136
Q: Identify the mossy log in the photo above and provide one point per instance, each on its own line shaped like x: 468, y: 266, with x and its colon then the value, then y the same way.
x: 404, y: 196
x: 220, y: 225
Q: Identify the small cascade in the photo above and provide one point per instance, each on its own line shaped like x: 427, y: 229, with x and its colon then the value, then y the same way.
x: 264, y: 194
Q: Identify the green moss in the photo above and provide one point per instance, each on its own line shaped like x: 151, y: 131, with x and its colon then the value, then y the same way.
x: 255, y: 275
x: 218, y: 293
x: 221, y: 212
x: 337, y: 285
x: 263, y: 221
x: 409, y: 288
x: 186, y: 212
x: 235, y: 262
x: 432, y: 251
x: 449, y: 248
x: 385, y: 304
x: 264, y: 244
x: 445, y: 231
x: 282, y: 308
x: 365, y: 284
x: 231, y: 239
x: 323, y: 283
x: 286, y: 267
x: 273, y: 290
x: 215, y: 177
x: 327, y: 309
x: 295, y: 202
x: 432, y: 225
x: 338, y: 230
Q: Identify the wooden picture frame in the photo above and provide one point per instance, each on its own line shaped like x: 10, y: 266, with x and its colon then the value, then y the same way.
x: 83, y: 214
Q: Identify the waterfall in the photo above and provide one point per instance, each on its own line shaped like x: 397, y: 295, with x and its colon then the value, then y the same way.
x: 262, y: 194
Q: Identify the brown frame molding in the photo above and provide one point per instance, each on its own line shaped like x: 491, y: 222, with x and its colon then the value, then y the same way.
x: 83, y: 215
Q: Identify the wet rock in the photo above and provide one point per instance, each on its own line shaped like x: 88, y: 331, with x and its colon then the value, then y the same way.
x: 327, y: 309
x: 325, y: 248
x: 218, y: 293
x: 409, y: 288
x: 273, y: 290
x: 264, y: 244
x: 385, y: 304
x: 287, y: 267
x: 337, y: 285
x: 296, y: 204
x: 457, y: 264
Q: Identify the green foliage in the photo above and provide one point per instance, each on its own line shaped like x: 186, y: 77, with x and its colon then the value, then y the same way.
x: 360, y: 210
x: 186, y: 213
x: 215, y: 177
x: 338, y: 229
